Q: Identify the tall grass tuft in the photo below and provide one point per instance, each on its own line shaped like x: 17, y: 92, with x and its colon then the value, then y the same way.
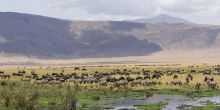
x: 70, y: 99
x: 26, y: 99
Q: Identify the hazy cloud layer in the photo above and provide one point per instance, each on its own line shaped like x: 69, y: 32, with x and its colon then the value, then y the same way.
x: 140, y: 7
x: 198, y: 11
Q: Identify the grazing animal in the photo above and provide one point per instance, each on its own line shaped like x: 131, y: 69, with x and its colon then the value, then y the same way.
x: 212, y: 84
x: 54, y: 82
x: 147, y: 77
x: 150, y: 83
x: 193, y: 71
x: 197, y: 86
x: 41, y: 82
x: 175, y: 77
x: 84, y: 69
x: 103, y: 83
x: 136, y: 82
x: 190, y: 77
x: 18, y: 74
x: 207, y: 72
x: 176, y: 83
x: 129, y: 79
x: 26, y: 79
x: 5, y: 76
x: 77, y: 68
x: 121, y: 83
x: 207, y: 79
x: 156, y: 75
x: 2, y: 72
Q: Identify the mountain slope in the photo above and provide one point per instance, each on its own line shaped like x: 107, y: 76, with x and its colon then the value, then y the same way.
x: 163, y: 18
x: 44, y: 37
x: 32, y: 35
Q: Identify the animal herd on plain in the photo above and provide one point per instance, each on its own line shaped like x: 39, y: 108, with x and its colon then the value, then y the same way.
x: 119, y: 77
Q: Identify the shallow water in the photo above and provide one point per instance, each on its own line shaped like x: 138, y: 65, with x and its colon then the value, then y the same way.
x: 173, y: 101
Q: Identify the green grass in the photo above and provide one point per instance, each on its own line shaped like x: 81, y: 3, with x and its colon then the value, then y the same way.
x: 53, y: 96
x: 207, y: 106
x: 154, y: 106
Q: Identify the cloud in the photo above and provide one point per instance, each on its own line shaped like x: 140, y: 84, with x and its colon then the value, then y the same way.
x: 110, y: 7
x: 120, y: 9
x: 2, y: 40
x: 191, y: 6
x: 138, y: 7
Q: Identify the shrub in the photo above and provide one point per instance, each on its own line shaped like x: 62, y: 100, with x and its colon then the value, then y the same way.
x: 3, y: 83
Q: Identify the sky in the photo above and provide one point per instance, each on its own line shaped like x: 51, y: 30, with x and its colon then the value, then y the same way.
x: 197, y: 11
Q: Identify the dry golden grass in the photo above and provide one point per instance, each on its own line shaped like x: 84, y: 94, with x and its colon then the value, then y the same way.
x: 198, y: 78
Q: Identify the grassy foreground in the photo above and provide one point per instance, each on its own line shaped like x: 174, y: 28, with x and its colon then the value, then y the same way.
x: 24, y: 96
x: 18, y: 95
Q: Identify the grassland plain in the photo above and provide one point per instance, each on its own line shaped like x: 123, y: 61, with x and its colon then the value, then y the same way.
x: 19, y: 95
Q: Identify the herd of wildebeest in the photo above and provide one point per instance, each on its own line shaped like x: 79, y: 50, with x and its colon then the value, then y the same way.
x: 117, y: 78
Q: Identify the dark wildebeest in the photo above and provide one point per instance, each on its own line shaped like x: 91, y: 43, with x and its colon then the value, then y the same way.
x: 175, y: 77
x: 176, y: 83
x: 197, y: 86
x: 77, y: 68
x: 190, y: 77
x: 207, y: 79
x: 193, y: 71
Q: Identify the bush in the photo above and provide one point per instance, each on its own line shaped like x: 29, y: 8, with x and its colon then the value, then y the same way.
x: 3, y: 83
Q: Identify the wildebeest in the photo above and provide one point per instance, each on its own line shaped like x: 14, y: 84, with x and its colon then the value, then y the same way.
x: 2, y: 72
x: 136, y: 82
x: 129, y: 79
x: 156, y: 75
x: 176, y: 83
x: 41, y: 81
x: 149, y: 83
x: 190, y: 76
x: 207, y: 79
x: 193, y: 71
x: 54, y: 82
x: 5, y: 76
x: 18, y: 74
x: 197, y: 86
x: 216, y: 73
x: 103, y: 83
x: 25, y: 79
x: 212, y: 84
x: 77, y: 68
x: 207, y: 72
x: 175, y: 77
x: 121, y: 83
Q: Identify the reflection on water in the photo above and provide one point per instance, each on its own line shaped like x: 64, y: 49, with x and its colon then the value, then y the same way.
x: 173, y: 101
